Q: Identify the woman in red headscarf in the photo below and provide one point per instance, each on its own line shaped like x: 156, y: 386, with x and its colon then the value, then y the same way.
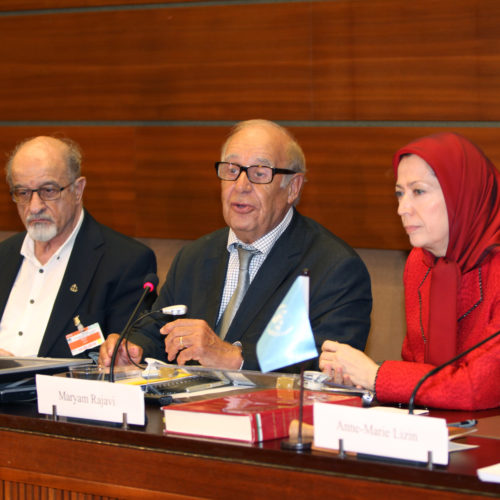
x: 449, y: 204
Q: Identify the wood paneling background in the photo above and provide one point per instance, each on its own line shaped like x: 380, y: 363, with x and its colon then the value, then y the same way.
x: 150, y: 89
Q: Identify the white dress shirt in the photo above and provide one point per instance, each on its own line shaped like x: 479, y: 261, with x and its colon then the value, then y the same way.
x: 32, y: 297
x: 263, y: 246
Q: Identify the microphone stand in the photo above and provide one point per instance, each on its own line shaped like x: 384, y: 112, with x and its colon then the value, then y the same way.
x: 147, y: 290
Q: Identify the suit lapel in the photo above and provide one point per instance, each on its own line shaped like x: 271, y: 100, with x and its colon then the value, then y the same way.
x: 10, y: 259
x: 85, y: 256
x: 213, y: 279
x: 281, y: 262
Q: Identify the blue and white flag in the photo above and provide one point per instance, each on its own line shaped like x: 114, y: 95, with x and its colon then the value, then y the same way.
x: 288, y: 337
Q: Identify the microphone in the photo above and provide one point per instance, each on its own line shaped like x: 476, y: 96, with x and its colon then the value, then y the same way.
x: 411, y: 403
x: 178, y: 310
x: 150, y: 283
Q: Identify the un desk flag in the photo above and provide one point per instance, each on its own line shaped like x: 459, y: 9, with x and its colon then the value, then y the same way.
x: 288, y: 337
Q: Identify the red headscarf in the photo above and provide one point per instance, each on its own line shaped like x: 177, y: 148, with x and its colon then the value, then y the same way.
x: 470, y: 185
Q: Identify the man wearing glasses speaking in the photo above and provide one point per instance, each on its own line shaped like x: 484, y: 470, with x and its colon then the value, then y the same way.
x: 233, y: 280
x: 66, y: 264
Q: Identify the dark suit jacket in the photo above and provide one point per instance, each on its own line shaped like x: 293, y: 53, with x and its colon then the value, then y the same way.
x: 340, y: 292
x: 108, y: 269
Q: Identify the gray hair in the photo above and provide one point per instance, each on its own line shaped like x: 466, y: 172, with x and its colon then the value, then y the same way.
x: 72, y: 157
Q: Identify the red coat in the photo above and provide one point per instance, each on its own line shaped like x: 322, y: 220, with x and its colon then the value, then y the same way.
x: 473, y: 382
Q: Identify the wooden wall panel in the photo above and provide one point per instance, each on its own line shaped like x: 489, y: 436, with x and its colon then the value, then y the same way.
x: 150, y: 94
x: 324, y: 60
x: 200, y: 63
x: 159, y: 182
x: 177, y: 184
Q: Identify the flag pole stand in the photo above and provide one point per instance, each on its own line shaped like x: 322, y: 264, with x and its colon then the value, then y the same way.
x: 299, y: 444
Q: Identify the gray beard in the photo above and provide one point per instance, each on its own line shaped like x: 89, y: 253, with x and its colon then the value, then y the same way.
x: 42, y: 232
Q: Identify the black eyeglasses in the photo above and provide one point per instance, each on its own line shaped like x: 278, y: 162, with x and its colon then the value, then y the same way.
x: 257, y: 174
x: 48, y: 192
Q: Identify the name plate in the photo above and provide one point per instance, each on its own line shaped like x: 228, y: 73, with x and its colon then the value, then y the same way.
x: 90, y: 399
x: 405, y: 437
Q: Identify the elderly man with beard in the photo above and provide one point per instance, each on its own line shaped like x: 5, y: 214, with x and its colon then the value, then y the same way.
x: 66, y: 264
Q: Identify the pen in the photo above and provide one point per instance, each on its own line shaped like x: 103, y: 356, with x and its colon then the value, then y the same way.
x: 464, y: 423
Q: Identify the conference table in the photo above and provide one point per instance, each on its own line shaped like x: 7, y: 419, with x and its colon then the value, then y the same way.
x: 45, y: 457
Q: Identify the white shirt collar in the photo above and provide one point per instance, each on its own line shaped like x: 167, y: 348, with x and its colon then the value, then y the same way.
x: 264, y: 243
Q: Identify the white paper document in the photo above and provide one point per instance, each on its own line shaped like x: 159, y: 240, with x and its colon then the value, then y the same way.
x: 490, y: 473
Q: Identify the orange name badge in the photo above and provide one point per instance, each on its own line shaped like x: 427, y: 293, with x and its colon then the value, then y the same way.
x: 85, y: 338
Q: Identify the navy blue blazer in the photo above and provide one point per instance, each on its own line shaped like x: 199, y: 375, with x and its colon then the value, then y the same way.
x: 340, y: 291
x: 102, y: 283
